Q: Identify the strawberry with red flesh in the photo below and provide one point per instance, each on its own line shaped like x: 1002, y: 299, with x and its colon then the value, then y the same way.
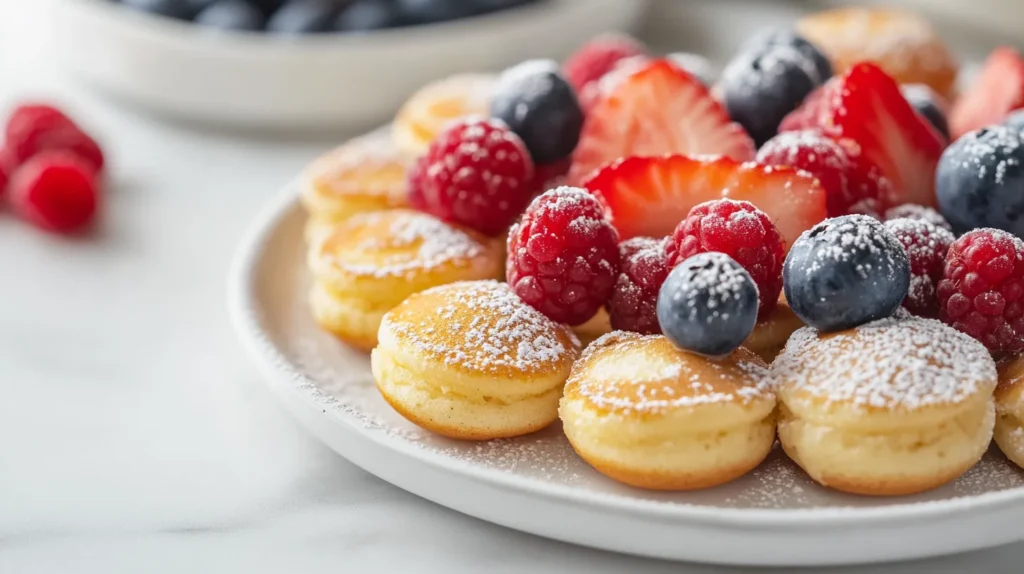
x: 997, y: 91
x: 649, y: 196
x: 865, y: 106
x: 657, y: 109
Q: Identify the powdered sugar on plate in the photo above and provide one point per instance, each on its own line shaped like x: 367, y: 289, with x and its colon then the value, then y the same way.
x: 903, y: 363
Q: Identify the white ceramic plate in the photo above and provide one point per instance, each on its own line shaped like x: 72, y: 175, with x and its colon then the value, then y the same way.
x: 537, y: 484
x: 313, y: 82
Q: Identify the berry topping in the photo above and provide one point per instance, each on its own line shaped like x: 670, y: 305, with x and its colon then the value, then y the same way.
x: 550, y: 175
x: 741, y: 231
x: 231, y: 15
x: 845, y: 272
x: 698, y: 66
x: 651, y: 195
x: 708, y: 305
x: 913, y: 211
x: 762, y: 85
x: 56, y: 191
x: 563, y: 256
x: 980, y: 293
x: 1015, y: 121
x: 980, y: 179
x: 633, y: 305
x: 865, y: 105
x: 851, y: 184
x: 539, y: 105
x: 656, y: 109
x: 35, y: 128
x: 477, y: 173
x: 997, y: 90
x: 819, y: 62
x: 926, y: 245
x: 929, y: 104
x: 597, y: 57
x: 303, y: 17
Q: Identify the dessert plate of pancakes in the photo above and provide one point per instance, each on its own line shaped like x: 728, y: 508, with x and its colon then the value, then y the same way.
x: 395, y: 323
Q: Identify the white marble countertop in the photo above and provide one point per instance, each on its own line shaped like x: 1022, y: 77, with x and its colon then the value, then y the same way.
x: 135, y: 435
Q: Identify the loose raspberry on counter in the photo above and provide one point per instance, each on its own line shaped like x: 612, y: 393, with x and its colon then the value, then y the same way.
x: 476, y: 173
x: 563, y: 256
x: 56, y: 191
x: 741, y: 231
x: 980, y: 293
x: 633, y: 305
x: 35, y: 128
x: 926, y: 245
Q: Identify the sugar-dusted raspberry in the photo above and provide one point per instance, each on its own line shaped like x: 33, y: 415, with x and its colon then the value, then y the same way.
x: 926, y: 245
x: 851, y: 184
x: 741, y: 231
x: 597, y: 57
x: 34, y: 128
x: 476, y: 173
x: 633, y: 305
x: 56, y: 191
x: 914, y: 211
x: 563, y: 256
x: 982, y: 288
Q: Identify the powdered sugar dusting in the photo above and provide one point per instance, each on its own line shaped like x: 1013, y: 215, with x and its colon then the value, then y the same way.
x: 897, y: 363
x: 998, y: 144
x: 657, y: 382
x: 368, y: 165
x: 847, y: 238
x: 483, y: 326
x: 715, y: 280
x: 413, y: 243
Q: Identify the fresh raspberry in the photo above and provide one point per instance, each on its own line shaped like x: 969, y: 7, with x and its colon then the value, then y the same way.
x: 34, y: 128
x: 477, y: 173
x: 633, y: 305
x: 55, y: 190
x: 563, y: 256
x: 741, y: 231
x: 597, y: 57
x: 926, y: 245
x: 914, y: 211
x: 852, y: 185
x: 980, y: 293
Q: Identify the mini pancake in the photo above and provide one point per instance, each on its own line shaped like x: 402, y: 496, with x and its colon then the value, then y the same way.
x: 648, y: 414
x: 371, y: 262
x: 771, y: 333
x: 893, y: 407
x: 431, y: 108
x: 471, y: 360
x: 363, y: 175
x: 1009, y: 433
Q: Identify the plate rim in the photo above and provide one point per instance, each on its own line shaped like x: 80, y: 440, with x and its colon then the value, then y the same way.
x: 278, y: 369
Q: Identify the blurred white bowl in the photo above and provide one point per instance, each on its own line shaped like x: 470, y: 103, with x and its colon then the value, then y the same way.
x: 311, y: 82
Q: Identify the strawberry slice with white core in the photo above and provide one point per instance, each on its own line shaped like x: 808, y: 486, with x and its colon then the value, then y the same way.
x: 866, y: 107
x: 649, y: 196
x: 657, y: 109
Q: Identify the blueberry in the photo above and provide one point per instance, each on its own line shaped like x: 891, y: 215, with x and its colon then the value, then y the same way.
x: 980, y: 181
x: 787, y: 37
x: 231, y: 15
x: 365, y: 15
x: 487, y: 6
x: 697, y: 65
x: 540, y: 106
x: 1015, y: 120
x: 708, y: 305
x: 926, y: 102
x: 180, y: 9
x: 268, y: 7
x: 844, y: 272
x: 304, y: 17
x: 762, y: 85
x: 430, y: 11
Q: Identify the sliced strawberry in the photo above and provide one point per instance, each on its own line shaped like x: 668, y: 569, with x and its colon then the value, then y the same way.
x: 649, y: 196
x: 806, y: 116
x: 866, y: 107
x: 657, y: 109
x: 997, y: 91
